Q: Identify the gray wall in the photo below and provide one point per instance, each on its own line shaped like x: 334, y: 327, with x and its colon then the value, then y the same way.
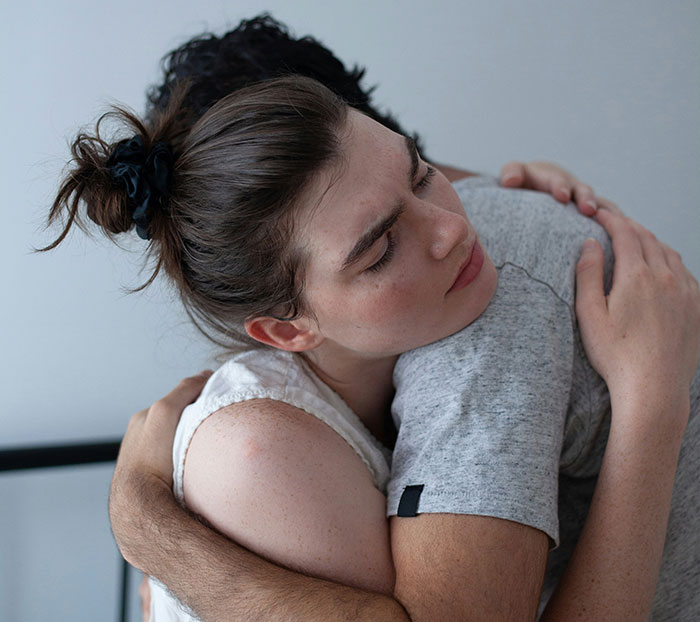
x: 610, y: 89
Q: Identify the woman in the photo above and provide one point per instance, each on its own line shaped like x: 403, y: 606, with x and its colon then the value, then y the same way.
x: 345, y: 317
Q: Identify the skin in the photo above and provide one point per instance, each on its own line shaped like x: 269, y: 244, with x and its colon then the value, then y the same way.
x: 614, y: 569
x: 366, y: 314
x: 261, y: 439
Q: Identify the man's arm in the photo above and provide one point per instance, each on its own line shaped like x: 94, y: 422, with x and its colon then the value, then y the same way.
x: 220, y: 580
x: 217, y: 578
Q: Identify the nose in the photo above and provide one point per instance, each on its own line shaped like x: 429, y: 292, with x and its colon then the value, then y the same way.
x: 448, y: 230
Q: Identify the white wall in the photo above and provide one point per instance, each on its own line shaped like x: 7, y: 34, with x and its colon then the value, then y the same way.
x: 611, y: 89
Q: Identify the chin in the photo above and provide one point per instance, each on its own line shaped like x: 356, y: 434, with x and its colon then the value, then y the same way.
x: 480, y: 296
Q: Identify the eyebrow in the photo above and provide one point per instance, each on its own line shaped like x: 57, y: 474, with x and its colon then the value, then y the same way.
x: 370, y: 237
x: 412, y: 149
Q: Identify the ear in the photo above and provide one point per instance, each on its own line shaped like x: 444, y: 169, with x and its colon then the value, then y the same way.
x: 292, y: 335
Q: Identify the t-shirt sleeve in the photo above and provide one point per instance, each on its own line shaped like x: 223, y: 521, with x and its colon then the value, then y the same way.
x: 481, y: 413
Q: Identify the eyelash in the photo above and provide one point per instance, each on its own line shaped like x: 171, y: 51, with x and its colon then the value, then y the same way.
x: 427, y: 178
x: 390, y: 240
x: 388, y: 253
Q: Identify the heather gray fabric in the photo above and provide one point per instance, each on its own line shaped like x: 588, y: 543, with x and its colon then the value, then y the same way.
x: 508, y: 419
x: 488, y: 417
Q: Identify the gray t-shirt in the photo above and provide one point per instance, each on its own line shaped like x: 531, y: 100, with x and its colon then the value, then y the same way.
x: 508, y: 419
x: 489, y: 417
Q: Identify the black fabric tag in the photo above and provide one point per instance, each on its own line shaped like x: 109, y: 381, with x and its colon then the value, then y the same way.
x: 408, y: 505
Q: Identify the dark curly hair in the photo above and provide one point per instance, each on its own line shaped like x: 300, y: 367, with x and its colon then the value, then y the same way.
x: 258, y: 49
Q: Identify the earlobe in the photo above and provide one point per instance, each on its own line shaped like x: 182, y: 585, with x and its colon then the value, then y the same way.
x: 291, y: 335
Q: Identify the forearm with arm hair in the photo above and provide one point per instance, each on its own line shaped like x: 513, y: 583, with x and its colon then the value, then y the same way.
x: 613, y: 572
x: 220, y: 580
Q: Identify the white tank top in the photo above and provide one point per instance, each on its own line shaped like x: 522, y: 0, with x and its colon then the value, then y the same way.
x: 277, y: 375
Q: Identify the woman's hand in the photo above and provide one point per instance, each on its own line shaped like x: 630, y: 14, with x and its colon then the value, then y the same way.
x: 146, y: 454
x: 548, y: 177
x: 644, y: 336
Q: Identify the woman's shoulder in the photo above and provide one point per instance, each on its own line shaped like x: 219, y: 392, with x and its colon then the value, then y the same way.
x: 272, y: 384
x: 276, y: 480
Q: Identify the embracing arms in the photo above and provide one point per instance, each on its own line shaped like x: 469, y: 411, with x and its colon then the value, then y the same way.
x: 230, y: 579
x: 343, y: 539
x: 219, y: 579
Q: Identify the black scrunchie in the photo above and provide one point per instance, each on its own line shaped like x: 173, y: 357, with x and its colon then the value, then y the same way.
x: 146, y: 178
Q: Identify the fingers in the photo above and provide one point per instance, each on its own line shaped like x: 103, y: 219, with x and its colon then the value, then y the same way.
x: 145, y: 595
x: 557, y: 181
x: 636, y: 248
x: 607, y: 204
x: 676, y: 265
x: 590, y: 296
x: 627, y: 246
x: 513, y: 175
x: 548, y: 177
x: 186, y: 391
x: 165, y: 413
x: 653, y: 251
x: 584, y: 197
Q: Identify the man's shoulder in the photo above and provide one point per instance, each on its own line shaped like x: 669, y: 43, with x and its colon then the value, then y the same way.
x: 530, y: 230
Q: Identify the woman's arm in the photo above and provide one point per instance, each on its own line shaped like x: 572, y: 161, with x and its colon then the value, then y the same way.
x: 643, y: 339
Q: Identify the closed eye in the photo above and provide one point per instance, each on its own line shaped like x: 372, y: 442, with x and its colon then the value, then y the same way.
x: 426, y: 179
x: 388, y: 254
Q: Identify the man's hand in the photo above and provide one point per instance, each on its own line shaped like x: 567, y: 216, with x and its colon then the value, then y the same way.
x: 145, y: 596
x: 146, y: 455
x: 550, y: 178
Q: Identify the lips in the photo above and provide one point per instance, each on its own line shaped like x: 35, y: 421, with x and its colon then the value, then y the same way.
x: 470, y: 268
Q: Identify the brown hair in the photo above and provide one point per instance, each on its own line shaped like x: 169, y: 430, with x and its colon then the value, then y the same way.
x: 238, y: 175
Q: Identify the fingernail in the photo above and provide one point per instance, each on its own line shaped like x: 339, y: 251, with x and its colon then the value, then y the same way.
x: 592, y: 204
x: 589, y: 244
x: 509, y: 178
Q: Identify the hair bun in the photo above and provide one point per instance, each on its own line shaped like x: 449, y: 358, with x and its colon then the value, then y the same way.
x: 145, y: 177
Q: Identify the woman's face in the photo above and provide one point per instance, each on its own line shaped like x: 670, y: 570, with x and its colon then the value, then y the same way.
x: 393, y: 261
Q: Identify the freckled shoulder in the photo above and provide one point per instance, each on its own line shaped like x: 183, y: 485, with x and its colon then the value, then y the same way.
x: 285, y: 485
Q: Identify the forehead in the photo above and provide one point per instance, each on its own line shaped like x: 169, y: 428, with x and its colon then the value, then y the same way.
x: 357, y: 192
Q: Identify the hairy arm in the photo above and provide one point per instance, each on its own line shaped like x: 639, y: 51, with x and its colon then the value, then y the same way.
x: 221, y: 580
x: 275, y: 478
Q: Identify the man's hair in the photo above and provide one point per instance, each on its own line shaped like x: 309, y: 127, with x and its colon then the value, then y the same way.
x: 257, y: 49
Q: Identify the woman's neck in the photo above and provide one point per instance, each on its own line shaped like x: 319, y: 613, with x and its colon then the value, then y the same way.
x: 365, y: 385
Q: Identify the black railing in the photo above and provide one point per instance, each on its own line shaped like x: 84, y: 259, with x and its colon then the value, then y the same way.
x: 44, y: 456
x: 49, y: 456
